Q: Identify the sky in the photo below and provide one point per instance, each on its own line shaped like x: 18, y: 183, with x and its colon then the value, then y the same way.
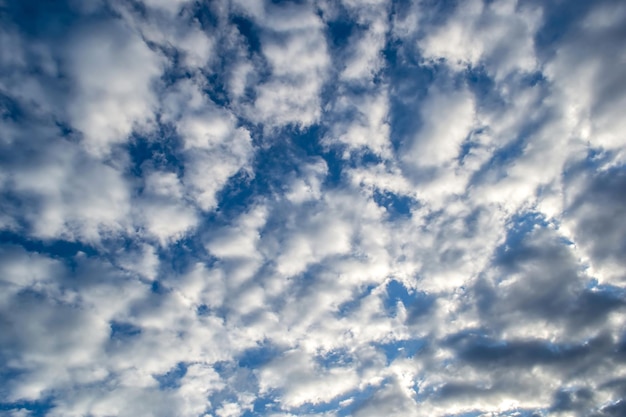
x: 366, y: 208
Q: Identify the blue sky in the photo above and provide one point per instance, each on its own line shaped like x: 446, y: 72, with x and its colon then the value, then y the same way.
x: 297, y: 208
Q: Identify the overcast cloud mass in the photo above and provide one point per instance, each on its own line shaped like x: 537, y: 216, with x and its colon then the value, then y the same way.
x: 367, y: 208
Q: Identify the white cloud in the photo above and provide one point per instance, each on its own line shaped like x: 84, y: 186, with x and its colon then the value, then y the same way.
x: 310, y: 186
x: 166, y: 221
x: 365, y: 53
x: 498, y: 34
x: 389, y: 401
x: 302, y: 383
x: 363, y: 122
x: 295, y: 48
x: 76, y: 197
x: 144, y: 261
x: 215, y: 148
x: 447, y: 120
x: 358, y: 115
x: 115, y: 72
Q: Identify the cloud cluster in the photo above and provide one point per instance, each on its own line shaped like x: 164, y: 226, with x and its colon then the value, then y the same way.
x: 353, y: 208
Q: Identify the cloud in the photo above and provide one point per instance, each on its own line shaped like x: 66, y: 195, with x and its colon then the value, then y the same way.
x: 591, y: 91
x: 593, y: 207
x: 114, y: 70
x: 498, y: 35
x: 448, y: 118
x: 294, y: 47
x: 70, y: 195
x: 212, y: 142
x: 312, y: 208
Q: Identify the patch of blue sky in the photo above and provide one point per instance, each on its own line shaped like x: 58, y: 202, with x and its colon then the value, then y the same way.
x: 219, y: 398
x: 401, y: 348
x: 608, y: 292
x: 41, y: 18
x: 250, y: 31
x: 334, y: 358
x: 518, y: 227
x: 272, y: 169
x: 263, y: 405
x: 159, y: 150
x: 522, y: 223
x: 237, y: 195
x: 417, y: 303
x: 157, y: 287
x: 298, y: 146
x: 483, y: 86
x: 340, y: 30
x: 396, y: 291
x: 203, y: 310
x: 559, y: 20
x: 363, y: 158
x: 488, y: 94
x: 59, y: 249
x: 39, y: 408
x: 183, y: 254
x: 409, y: 83
x: 397, y: 206
x: 123, y: 330
x: 216, y: 85
x: 171, y: 379
x: 224, y: 368
x: 252, y: 34
x: 258, y: 356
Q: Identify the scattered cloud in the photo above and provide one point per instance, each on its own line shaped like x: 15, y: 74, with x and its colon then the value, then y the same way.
x: 355, y: 208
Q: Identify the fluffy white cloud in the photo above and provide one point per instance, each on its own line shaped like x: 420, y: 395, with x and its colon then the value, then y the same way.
x: 447, y: 120
x: 215, y: 148
x: 362, y: 123
x: 74, y: 196
x: 497, y: 34
x: 294, y: 46
x: 297, y: 375
x: 114, y: 71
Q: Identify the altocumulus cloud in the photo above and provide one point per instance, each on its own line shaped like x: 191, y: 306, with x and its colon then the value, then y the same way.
x: 292, y: 208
